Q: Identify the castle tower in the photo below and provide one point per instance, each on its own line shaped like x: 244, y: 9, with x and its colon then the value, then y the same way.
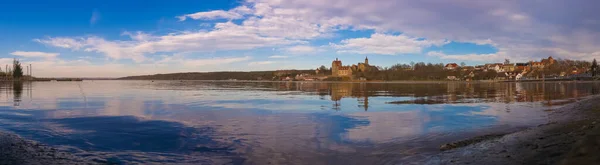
x: 335, y: 66
x: 366, y: 60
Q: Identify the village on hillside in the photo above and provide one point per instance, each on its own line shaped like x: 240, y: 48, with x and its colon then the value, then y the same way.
x: 544, y: 69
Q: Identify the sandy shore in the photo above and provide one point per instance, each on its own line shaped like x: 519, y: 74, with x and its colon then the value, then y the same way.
x: 16, y: 150
x: 572, y: 137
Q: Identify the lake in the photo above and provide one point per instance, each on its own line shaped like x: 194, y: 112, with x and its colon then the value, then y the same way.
x: 238, y: 122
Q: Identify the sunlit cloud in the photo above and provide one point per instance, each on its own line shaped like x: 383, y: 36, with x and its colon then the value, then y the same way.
x: 385, y: 44
x: 34, y: 54
x: 518, y: 30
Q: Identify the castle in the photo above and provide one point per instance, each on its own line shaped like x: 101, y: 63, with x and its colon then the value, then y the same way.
x: 338, y: 70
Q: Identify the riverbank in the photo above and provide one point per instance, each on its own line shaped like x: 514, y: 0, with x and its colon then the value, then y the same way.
x: 572, y: 137
x: 16, y: 150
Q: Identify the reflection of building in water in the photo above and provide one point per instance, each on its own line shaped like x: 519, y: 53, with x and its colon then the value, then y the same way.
x: 451, y: 91
x: 338, y: 91
x: 363, y: 98
x: 341, y: 90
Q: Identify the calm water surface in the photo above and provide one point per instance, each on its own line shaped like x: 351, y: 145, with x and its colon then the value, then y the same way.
x: 272, y: 122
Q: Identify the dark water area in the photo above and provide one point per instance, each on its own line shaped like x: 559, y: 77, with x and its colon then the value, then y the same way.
x: 204, y: 122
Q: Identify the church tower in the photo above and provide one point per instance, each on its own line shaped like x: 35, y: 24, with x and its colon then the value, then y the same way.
x: 366, y: 61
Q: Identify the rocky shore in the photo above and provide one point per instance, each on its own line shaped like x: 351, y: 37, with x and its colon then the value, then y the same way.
x: 572, y: 137
x: 16, y: 150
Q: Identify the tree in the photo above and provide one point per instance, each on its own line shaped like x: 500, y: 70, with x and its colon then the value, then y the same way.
x: 506, y: 61
x: 594, y: 67
x: 17, y: 70
x: 462, y: 64
x: 323, y: 68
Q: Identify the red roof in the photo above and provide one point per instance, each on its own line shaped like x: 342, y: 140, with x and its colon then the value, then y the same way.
x: 451, y: 65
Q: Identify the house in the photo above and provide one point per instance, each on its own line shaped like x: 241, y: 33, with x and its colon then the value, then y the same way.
x: 508, y: 67
x: 511, y: 75
x: 538, y: 65
x: 519, y: 76
x: 480, y: 67
x: 301, y: 76
x: 576, y: 70
x: 498, y: 67
x: 522, y: 66
x: 451, y: 66
x: 468, y: 68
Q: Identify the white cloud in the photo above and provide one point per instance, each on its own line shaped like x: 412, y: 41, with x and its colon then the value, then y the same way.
x: 261, y: 63
x: 492, y: 57
x: 95, y: 17
x: 62, y: 42
x: 518, y: 17
x: 519, y: 28
x: 385, y: 44
x: 139, y: 36
x: 225, y: 36
x: 214, y: 61
x: 506, y: 14
x: 263, y: 27
x: 34, y: 54
x: 278, y: 56
x: 192, y: 63
x: 301, y: 49
x: 236, y: 13
x: 85, y: 68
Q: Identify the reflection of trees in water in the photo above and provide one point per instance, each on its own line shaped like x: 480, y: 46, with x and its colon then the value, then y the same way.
x: 447, y: 92
x: 437, y: 93
x: 17, y: 89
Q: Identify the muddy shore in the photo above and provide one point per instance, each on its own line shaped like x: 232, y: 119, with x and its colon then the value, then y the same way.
x: 571, y: 137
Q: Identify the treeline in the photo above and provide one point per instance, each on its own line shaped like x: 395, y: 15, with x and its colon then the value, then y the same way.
x: 412, y: 71
x: 14, y: 73
x: 256, y: 75
x: 563, y: 66
x: 430, y: 71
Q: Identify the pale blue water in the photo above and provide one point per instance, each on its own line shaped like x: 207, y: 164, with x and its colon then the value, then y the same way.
x: 271, y: 122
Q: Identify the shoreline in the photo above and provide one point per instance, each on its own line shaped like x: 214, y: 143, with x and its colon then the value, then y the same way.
x: 374, y: 82
x: 570, y: 137
x: 17, y: 150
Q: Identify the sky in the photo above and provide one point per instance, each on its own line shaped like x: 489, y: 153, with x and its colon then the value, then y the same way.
x: 114, y: 38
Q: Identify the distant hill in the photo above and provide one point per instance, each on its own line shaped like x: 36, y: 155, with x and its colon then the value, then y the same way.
x: 255, y: 75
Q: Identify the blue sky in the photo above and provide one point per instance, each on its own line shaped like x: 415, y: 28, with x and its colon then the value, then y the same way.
x: 69, y: 38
